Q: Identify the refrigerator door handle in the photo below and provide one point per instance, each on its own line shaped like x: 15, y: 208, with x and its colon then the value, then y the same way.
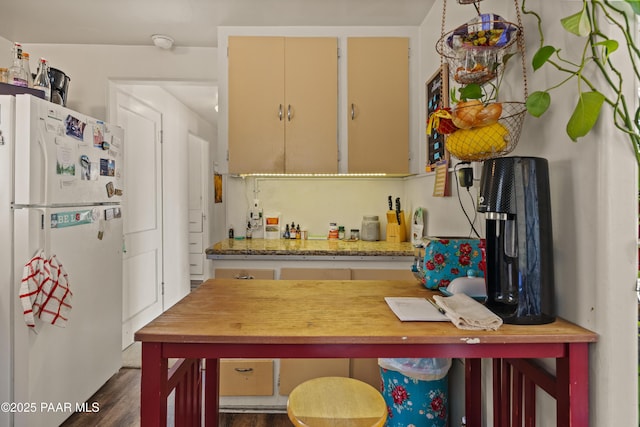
x: 45, y: 160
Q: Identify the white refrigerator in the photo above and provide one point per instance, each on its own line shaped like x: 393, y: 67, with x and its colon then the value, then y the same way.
x: 61, y: 185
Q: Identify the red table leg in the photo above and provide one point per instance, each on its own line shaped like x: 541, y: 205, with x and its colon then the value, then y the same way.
x: 572, y: 374
x: 153, y: 385
x: 211, y: 395
x: 473, y: 392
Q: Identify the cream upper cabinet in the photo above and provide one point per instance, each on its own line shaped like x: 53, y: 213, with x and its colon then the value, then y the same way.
x: 378, y: 104
x: 283, y: 100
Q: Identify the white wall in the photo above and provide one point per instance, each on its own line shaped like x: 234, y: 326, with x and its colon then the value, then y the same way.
x: 92, y: 67
x: 594, y: 204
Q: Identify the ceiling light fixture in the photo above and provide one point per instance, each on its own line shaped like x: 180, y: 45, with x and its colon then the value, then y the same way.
x: 162, y: 41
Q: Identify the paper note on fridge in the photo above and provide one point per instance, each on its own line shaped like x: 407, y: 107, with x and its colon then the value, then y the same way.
x: 414, y: 309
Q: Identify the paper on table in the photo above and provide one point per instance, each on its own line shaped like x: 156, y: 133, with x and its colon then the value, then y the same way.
x: 415, y: 309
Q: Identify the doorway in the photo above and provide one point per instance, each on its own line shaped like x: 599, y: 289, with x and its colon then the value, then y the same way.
x: 142, y: 213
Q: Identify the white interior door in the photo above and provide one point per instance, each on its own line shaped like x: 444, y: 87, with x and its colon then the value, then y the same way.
x: 197, y: 205
x: 142, y: 213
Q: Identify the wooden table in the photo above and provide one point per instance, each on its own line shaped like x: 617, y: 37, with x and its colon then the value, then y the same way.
x: 226, y: 318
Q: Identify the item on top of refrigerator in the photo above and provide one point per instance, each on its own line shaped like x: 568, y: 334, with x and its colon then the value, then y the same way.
x: 17, y: 74
x: 4, y: 75
x: 42, y: 81
x: 59, y: 86
x: 27, y: 68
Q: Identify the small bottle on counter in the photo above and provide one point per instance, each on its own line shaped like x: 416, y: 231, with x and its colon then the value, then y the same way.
x: 231, y: 232
x: 298, y: 232
x: 341, y: 232
x: 355, y: 234
x: 249, y: 231
x: 292, y: 231
x: 287, y: 233
x: 333, y: 231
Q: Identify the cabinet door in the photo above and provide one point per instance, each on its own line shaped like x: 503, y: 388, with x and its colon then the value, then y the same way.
x: 296, y: 371
x: 244, y: 273
x: 311, y: 95
x: 246, y: 377
x: 315, y: 274
x: 256, y: 104
x: 378, y: 104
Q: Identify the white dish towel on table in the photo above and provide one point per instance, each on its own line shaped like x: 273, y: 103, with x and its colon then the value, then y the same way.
x: 467, y: 313
x: 45, y: 291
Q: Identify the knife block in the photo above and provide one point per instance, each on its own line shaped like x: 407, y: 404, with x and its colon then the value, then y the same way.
x: 396, y: 232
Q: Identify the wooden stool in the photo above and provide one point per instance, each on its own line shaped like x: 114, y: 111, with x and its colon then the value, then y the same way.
x: 336, y: 402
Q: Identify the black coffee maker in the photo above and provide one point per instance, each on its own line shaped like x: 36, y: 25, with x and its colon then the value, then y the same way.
x: 515, y: 198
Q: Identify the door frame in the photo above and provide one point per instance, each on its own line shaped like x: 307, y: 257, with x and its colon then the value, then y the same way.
x: 113, y: 95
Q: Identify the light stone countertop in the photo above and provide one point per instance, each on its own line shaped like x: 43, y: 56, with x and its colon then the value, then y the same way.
x: 310, y: 248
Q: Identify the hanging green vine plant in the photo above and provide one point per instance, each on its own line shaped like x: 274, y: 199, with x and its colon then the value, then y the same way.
x: 606, y: 52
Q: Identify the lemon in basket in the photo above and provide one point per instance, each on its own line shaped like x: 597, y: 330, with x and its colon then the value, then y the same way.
x: 476, y: 143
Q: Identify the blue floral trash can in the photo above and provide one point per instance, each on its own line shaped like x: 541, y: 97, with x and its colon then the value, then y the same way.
x: 416, y: 391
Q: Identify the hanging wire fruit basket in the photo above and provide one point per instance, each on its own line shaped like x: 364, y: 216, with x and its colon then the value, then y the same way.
x: 476, y: 53
x: 476, y: 50
x: 485, y: 130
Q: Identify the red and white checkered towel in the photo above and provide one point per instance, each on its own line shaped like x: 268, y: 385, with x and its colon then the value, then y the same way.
x: 45, y: 292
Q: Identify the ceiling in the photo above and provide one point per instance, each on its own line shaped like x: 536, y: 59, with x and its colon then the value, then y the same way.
x: 191, y: 23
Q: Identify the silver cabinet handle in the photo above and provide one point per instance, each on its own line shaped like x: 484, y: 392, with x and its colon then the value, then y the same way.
x: 243, y: 277
x: 289, y: 112
x: 353, y: 111
x: 280, y: 112
x: 243, y: 370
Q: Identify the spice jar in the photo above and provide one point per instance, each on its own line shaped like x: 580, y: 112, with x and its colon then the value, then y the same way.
x: 370, y: 228
x: 355, y: 234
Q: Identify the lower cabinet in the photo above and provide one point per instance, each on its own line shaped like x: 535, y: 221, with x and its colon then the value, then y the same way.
x: 297, y: 371
x: 246, y: 377
x: 244, y: 273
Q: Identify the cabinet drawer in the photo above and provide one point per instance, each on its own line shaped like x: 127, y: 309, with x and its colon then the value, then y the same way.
x: 244, y: 273
x: 195, y: 243
x: 246, y: 377
x: 196, y: 264
x: 315, y: 274
x: 195, y: 221
x: 381, y: 274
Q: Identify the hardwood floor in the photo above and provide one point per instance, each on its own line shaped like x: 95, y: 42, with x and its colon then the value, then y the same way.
x: 119, y: 403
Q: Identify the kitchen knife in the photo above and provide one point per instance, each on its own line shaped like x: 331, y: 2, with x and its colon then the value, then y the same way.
x: 398, y: 209
x: 390, y: 203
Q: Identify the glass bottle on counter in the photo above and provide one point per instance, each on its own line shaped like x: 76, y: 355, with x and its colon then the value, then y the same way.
x: 298, y: 232
x: 42, y: 81
x: 27, y: 68
x: 287, y: 233
x: 17, y: 74
x: 292, y: 231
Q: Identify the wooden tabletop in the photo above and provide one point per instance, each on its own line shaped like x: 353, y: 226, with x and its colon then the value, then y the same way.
x: 323, y: 312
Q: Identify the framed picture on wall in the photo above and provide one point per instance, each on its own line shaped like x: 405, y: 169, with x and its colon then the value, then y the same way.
x: 436, y: 96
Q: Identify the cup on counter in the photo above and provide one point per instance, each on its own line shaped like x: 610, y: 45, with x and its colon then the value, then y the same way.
x: 305, y: 235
